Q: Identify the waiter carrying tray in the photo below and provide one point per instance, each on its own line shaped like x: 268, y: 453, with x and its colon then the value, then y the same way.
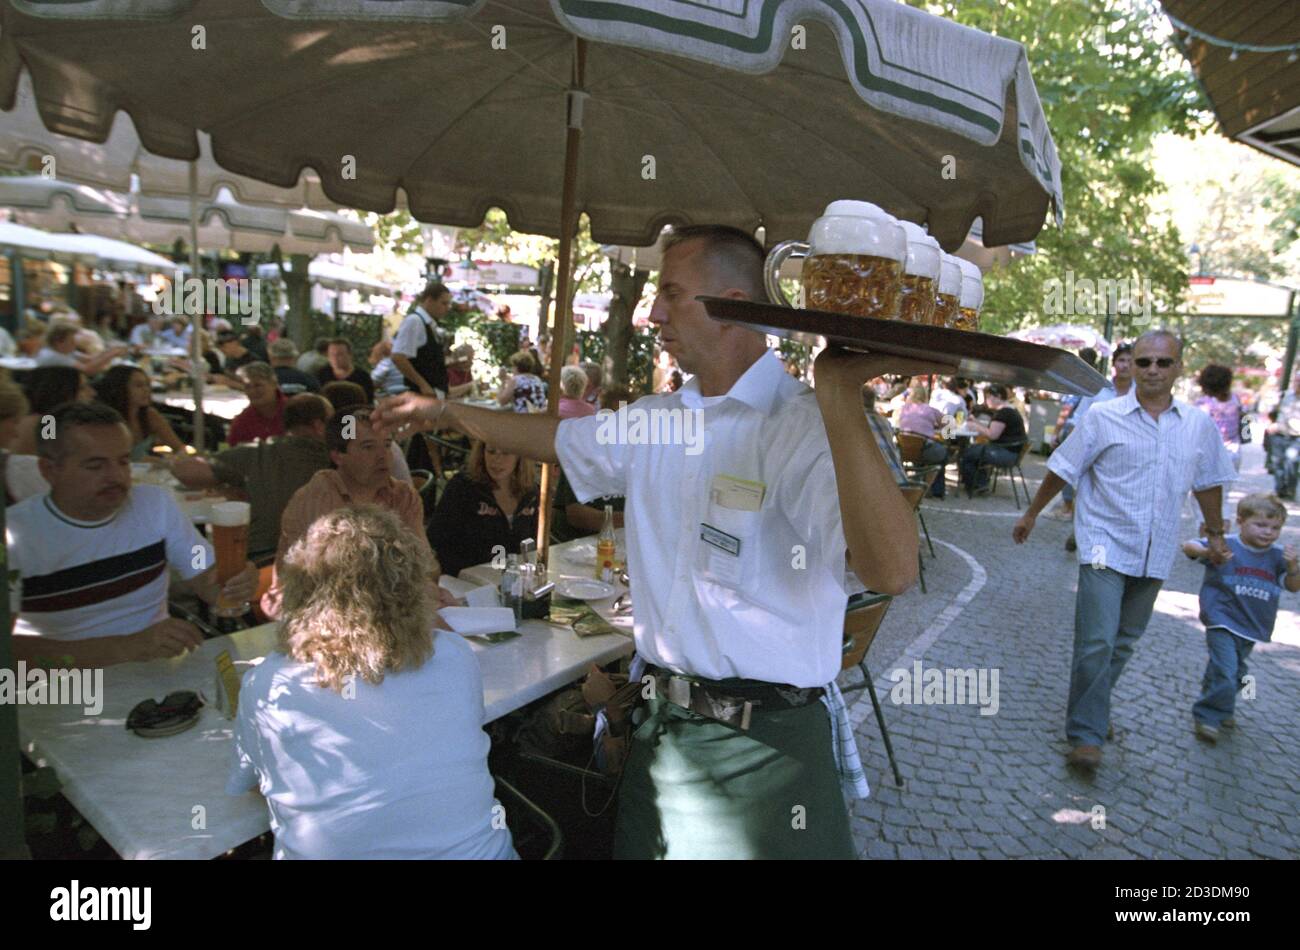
x: 740, y: 534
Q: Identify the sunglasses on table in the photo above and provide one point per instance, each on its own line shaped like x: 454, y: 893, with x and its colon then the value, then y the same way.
x: 1164, y: 362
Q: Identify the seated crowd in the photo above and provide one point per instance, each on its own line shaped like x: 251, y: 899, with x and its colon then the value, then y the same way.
x: 342, y: 551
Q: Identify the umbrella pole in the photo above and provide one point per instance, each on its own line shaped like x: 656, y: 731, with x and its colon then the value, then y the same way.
x: 563, y: 320
x: 197, y: 360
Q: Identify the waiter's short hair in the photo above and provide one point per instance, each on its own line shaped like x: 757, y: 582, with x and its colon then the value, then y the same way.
x: 434, y: 290
x: 733, y: 257
x: 74, y: 415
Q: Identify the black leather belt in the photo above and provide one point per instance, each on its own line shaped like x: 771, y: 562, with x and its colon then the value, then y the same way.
x: 732, y: 703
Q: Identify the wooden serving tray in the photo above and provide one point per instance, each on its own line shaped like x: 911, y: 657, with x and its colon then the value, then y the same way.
x: 976, y: 355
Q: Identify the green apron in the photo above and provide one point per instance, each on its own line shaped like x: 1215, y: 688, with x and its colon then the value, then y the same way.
x: 696, y: 788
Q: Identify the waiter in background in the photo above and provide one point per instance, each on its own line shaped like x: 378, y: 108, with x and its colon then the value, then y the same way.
x: 739, y: 539
x: 417, y: 348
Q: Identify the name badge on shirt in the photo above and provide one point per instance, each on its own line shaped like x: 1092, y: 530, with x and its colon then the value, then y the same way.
x: 720, y: 539
x: 738, y: 494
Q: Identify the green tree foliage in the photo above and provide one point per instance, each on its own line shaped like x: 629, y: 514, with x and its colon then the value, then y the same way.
x: 1109, y: 83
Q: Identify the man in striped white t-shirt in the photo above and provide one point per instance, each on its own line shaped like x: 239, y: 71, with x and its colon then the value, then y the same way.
x: 1132, y: 461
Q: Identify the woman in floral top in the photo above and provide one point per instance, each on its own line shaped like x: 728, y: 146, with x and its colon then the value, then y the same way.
x: 525, y: 390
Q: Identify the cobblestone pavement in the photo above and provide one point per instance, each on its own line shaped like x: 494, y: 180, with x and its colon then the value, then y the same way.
x: 996, y: 786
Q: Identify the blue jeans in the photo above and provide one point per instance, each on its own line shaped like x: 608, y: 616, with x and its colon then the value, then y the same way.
x: 936, y: 453
x: 1111, y: 612
x: 1223, y: 676
x: 984, y: 453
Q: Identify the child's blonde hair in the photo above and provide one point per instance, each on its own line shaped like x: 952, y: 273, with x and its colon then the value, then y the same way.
x: 1261, y: 503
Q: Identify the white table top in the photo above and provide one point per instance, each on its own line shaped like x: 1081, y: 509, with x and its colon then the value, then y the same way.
x: 17, y: 362
x: 140, y: 794
x: 219, y: 401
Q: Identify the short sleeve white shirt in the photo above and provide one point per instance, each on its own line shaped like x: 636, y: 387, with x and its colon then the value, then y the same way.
x: 73, y: 580
x: 396, y: 771
x: 774, y: 609
x: 413, y: 333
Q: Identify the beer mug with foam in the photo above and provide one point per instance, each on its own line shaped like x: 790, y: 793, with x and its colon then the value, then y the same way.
x: 972, y: 296
x: 852, y: 261
x: 230, y: 538
x: 948, y: 299
x: 916, y: 295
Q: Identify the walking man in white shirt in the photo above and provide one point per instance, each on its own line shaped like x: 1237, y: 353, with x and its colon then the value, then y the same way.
x: 738, y: 540
x: 1132, y: 461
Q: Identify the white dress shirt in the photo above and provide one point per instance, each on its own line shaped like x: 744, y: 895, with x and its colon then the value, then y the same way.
x: 775, y: 610
x: 1132, y: 474
x: 413, y: 333
x: 947, y: 402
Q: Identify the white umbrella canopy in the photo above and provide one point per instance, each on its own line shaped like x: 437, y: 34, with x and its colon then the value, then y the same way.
x: 688, y: 114
x: 1068, y: 335
x: 328, y: 274
x: 80, y: 248
x: 58, y: 204
x: 27, y: 145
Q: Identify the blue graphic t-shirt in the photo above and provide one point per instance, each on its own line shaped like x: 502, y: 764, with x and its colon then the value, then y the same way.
x: 1242, y: 595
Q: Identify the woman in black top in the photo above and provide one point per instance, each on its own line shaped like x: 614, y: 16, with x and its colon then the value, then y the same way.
x: 489, y: 507
x: 1006, y: 435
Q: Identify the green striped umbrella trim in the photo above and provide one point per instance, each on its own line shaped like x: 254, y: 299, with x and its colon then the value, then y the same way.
x: 581, y: 9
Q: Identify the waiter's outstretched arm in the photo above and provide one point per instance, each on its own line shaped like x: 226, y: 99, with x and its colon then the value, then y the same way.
x: 879, y: 526
x: 531, y: 435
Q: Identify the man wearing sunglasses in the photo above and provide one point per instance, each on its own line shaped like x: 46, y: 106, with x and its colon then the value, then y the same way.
x: 1132, y: 461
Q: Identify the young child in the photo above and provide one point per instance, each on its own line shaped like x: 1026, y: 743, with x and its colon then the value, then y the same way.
x: 1239, y: 605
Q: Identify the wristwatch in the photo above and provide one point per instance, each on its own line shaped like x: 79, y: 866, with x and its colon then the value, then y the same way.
x: 1214, y: 532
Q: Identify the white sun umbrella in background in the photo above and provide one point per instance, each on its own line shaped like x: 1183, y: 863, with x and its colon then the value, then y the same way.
x: 223, y: 223
x: 85, y: 249
x: 1069, y: 336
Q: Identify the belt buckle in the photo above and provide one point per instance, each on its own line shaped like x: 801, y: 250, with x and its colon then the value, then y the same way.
x: 679, y: 691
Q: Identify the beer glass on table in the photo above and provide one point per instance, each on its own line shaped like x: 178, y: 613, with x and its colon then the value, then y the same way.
x: 948, y: 299
x: 230, y: 539
x: 852, y: 262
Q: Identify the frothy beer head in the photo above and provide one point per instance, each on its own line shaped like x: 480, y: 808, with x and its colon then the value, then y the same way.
x: 855, y: 260
x: 231, y: 514
x: 972, y: 285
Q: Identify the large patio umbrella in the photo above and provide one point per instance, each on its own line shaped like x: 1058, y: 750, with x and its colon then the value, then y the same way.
x: 662, y: 111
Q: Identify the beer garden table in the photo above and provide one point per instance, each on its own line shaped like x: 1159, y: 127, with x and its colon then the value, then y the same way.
x: 166, y: 798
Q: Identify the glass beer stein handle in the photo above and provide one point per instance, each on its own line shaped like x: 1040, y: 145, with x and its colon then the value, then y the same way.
x: 772, y: 268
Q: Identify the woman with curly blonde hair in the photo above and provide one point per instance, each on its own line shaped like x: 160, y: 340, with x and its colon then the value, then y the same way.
x: 364, y: 731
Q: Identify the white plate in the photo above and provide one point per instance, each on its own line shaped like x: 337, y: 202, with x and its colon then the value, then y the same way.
x: 576, y: 588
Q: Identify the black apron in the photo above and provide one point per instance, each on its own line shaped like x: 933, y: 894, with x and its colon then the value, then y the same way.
x: 429, y: 360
